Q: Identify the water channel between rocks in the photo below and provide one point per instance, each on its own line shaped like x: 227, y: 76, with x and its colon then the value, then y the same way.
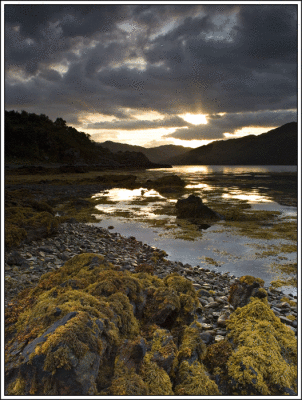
x: 262, y: 244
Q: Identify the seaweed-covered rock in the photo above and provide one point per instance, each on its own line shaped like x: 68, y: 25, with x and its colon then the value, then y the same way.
x: 66, y: 357
x: 265, y: 360
x: 193, y: 207
x: 163, y: 349
x: 194, y: 381
x: 166, y: 184
x: 126, y: 380
x: 116, y: 180
x: 245, y: 288
x: 26, y: 223
x: 89, y: 328
x: 78, y: 331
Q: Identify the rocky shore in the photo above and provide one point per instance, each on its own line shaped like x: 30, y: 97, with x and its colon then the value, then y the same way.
x: 24, y: 267
x: 96, y: 313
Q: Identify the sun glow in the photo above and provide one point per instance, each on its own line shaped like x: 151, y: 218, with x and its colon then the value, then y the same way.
x: 190, y: 143
x: 195, y: 119
x: 248, y: 130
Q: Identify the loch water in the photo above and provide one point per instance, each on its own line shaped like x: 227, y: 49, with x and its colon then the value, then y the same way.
x: 261, y: 242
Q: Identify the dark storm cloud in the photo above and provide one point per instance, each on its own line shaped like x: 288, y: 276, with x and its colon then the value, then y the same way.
x: 44, y: 33
x: 234, y: 73
x: 72, y: 20
x: 219, y: 124
x: 194, y: 58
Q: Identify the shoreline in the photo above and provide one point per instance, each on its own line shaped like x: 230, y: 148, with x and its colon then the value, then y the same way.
x: 25, y: 265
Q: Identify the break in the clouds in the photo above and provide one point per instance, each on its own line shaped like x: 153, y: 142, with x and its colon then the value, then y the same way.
x: 218, y: 125
x: 236, y: 64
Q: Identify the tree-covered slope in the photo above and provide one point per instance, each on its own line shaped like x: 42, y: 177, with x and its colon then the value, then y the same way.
x: 35, y: 138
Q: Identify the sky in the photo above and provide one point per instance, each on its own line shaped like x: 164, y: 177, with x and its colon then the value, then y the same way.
x: 154, y: 74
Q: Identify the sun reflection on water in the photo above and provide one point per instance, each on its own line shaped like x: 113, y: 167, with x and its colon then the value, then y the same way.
x: 118, y: 194
x: 251, y: 197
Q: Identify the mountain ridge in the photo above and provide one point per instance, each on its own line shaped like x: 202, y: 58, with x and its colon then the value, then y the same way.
x: 155, y: 154
x: 276, y: 147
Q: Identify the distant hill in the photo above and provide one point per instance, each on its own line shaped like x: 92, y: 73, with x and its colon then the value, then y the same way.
x: 155, y: 154
x: 32, y: 138
x: 276, y: 147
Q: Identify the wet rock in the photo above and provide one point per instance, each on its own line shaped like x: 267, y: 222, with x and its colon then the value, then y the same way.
x: 48, y: 367
x: 193, y: 207
x: 15, y: 259
x: 203, y: 292
x: 288, y: 321
x: 222, y: 319
x: 218, y: 338
x: 45, y: 249
x: 207, y: 337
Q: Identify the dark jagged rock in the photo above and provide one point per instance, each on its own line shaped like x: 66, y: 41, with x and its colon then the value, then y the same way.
x: 245, y: 288
x: 73, y: 374
x: 193, y: 207
x: 81, y: 335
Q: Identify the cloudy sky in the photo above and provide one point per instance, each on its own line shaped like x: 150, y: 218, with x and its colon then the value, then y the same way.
x: 153, y: 74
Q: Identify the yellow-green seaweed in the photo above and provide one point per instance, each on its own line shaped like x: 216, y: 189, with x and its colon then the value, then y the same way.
x: 266, y: 353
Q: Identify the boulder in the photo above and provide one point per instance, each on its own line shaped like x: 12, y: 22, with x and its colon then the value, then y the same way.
x: 193, y: 208
x: 55, y: 357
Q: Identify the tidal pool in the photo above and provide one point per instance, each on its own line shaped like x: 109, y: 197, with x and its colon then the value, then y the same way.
x: 259, y: 233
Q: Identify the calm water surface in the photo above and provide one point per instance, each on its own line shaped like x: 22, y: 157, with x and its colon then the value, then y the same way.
x: 222, y: 247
